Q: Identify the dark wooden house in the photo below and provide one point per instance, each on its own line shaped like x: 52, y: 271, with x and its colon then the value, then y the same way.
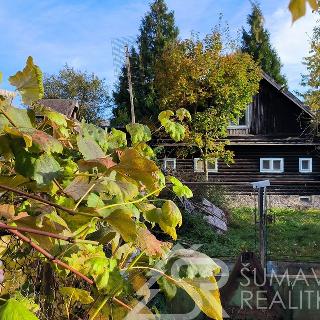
x: 275, y: 140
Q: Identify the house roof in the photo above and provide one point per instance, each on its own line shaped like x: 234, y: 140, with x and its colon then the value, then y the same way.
x: 67, y: 107
x: 7, y: 93
x: 287, y: 93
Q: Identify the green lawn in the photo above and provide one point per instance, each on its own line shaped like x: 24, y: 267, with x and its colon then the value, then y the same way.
x: 295, y: 235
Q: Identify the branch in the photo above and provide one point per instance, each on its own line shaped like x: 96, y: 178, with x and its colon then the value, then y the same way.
x: 47, y: 234
x: 34, y: 197
x: 50, y: 257
x: 60, y: 263
x: 131, y: 202
x: 158, y: 271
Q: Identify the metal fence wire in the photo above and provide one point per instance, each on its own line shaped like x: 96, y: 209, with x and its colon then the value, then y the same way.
x: 26, y: 271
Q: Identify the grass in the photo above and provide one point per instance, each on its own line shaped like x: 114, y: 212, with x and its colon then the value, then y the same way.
x: 294, y: 235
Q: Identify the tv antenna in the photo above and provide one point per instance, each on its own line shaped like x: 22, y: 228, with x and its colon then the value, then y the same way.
x: 121, y: 57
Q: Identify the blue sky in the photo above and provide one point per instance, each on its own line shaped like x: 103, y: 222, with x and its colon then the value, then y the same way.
x: 79, y: 32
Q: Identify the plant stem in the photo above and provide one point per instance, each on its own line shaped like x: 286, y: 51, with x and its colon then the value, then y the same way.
x: 101, y: 305
x: 131, y: 202
x: 9, y: 118
x: 60, y: 263
x: 81, y: 199
x: 158, y: 271
x: 50, y: 257
x: 132, y: 264
x: 47, y: 234
x: 34, y: 197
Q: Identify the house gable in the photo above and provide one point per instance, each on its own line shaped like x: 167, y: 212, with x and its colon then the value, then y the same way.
x: 277, y: 112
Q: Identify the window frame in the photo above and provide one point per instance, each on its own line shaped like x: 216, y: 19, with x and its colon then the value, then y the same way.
x: 272, y: 170
x: 301, y: 170
x: 170, y: 159
x: 195, y: 169
x: 241, y: 126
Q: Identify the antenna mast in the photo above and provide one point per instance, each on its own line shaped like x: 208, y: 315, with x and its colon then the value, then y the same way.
x: 130, y: 89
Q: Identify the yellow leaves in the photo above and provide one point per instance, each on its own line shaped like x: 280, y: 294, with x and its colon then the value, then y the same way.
x: 74, y: 294
x: 7, y: 211
x: 28, y: 82
x: 122, y: 222
x: 205, y: 294
x: 144, y: 171
x: 298, y: 8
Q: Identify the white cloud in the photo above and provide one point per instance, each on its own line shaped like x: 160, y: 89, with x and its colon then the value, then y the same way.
x: 291, y: 41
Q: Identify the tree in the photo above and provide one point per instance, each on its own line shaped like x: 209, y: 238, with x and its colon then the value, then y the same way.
x: 156, y: 30
x: 256, y: 42
x: 90, y: 91
x: 76, y: 203
x: 214, y: 86
x: 312, y: 79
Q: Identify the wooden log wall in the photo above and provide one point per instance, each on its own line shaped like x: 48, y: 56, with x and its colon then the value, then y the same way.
x: 246, y: 169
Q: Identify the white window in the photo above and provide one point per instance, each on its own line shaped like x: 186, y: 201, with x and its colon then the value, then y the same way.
x: 199, y: 165
x: 305, y: 165
x: 169, y: 163
x: 241, y: 122
x: 271, y: 165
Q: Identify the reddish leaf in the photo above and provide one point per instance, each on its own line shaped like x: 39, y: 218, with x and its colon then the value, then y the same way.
x: 148, y: 242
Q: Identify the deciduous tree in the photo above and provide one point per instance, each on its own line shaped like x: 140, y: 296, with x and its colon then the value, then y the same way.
x: 215, y: 85
x: 88, y: 89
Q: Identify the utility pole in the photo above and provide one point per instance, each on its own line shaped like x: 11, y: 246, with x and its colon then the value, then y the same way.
x: 130, y: 89
x: 262, y: 191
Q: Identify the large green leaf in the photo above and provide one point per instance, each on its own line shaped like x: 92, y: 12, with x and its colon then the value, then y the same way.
x: 46, y: 168
x: 138, y: 132
x: 115, y: 140
x: 21, y: 118
x: 89, y: 148
x: 186, y: 263
x: 180, y: 189
x: 175, y: 130
x: 56, y: 117
x: 14, y: 310
x: 94, y: 201
x: 115, y: 185
x: 29, y: 82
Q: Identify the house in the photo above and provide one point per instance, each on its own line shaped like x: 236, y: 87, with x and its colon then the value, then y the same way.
x: 68, y: 107
x: 8, y: 94
x: 275, y: 140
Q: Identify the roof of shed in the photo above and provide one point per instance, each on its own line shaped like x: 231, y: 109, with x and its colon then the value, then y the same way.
x: 64, y: 106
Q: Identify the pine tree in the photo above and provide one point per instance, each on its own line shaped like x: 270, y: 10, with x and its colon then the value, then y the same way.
x: 156, y: 30
x: 256, y: 42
